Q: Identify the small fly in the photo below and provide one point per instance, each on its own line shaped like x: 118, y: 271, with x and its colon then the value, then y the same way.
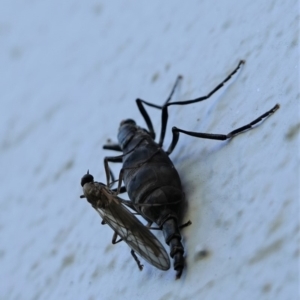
x: 124, y: 224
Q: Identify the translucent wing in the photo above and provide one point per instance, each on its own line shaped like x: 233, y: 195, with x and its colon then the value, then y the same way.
x: 138, y: 237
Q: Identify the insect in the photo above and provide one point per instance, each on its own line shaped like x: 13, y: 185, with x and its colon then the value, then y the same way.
x: 124, y: 223
x: 150, y: 178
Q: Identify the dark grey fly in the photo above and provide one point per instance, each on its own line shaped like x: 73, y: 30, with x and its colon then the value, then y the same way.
x: 150, y: 178
x: 137, y: 236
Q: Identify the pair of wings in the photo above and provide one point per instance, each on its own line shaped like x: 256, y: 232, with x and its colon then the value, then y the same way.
x: 137, y: 236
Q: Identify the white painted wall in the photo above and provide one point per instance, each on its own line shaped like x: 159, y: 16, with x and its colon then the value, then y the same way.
x: 70, y: 72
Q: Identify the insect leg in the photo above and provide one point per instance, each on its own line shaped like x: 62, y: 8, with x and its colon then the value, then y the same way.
x: 188, y: 223
x: 220, y: 137
x: 114, y: 147
x: 108, y: 172
x: 106, y: 160
x: 119, y: 189
x: 164, y: 115
x: 179, y: 77
x: 137, y: 260
x: 144, y: 113
x: 114, y: 238
x: 122, y: 190
x: 117, y: 159
x: 115, y: 241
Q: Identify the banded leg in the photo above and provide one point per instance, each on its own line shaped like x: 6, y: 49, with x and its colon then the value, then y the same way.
x: 220, y: 137
x: 164, y: 107
x: 144, y: 113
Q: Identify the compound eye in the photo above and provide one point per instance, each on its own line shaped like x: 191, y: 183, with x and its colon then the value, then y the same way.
x: 128, y: 121
x: 87, y: 178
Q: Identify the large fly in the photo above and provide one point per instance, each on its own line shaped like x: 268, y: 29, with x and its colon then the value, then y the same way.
x: 151, y: 180
x: 125, y: 225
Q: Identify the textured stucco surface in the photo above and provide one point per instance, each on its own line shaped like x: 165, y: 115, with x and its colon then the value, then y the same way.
x: 70, y: 72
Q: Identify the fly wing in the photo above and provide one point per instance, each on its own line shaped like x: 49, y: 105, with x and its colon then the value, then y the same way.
x: 135, y: 234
